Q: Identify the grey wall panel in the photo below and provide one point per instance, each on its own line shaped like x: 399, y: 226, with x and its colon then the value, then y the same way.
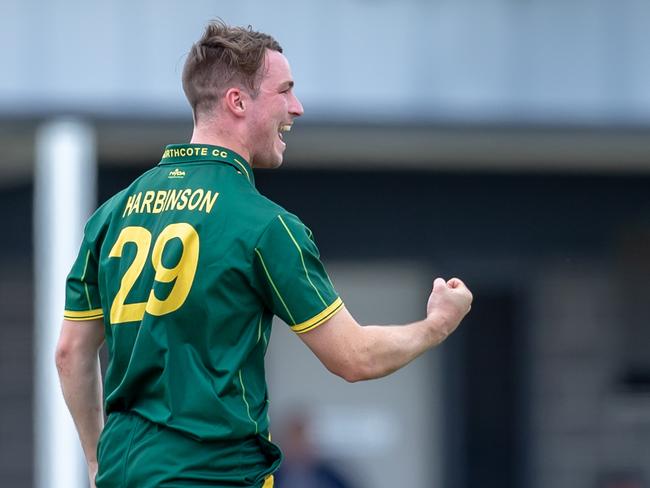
x: 387, y: 431
x: 580, y: 60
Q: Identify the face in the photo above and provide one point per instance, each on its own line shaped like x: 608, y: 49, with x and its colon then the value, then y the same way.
x: 272, y: 112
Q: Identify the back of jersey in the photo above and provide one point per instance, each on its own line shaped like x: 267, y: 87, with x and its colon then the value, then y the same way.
x: 187, y: 267
x: 186, y: 332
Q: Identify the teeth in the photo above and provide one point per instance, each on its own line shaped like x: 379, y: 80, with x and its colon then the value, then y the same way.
x: 285, y: 128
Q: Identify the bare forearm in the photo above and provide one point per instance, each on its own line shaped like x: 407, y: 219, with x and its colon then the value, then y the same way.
x: 81, y: 384
x: 357, y: 353
x: 388, y: 348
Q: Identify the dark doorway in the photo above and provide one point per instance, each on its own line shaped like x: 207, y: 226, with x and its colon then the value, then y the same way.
x: 485, y: 394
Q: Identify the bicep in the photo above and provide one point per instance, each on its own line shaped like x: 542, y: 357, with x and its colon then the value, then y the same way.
x: 87, y: 335
x: 337, y: 343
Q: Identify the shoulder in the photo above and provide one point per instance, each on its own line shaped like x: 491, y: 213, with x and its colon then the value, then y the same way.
x: 264, y: 213
x: 101, y: 218
x: 276, y: 217
x: 283, y: 230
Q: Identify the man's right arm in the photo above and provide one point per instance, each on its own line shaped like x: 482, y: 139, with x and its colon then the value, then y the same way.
x: 357, y: 353
x: 77, y: 362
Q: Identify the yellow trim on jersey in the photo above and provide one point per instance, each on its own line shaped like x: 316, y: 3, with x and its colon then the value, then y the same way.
x: 302, y: 259
x: 97, y: 313
x: 268, y: 483
x: 268, y: 275
x: 248, y: 407
x: 241, y: 165
x: 83, y: 279
x: 315, y: 321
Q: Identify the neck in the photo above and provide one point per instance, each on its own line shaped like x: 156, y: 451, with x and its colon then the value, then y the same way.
x: 215, y: 137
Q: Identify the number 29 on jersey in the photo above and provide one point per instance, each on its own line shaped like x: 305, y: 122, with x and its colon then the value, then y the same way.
x: 182, y: 274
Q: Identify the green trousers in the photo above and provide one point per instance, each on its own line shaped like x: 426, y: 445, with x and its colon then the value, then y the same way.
x: 136, y: 453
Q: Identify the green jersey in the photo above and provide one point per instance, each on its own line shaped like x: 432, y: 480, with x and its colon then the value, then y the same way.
x: 187, y: 267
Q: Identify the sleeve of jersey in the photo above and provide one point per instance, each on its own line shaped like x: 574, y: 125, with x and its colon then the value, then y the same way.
x: 291, y: 277
x: 82, y: 299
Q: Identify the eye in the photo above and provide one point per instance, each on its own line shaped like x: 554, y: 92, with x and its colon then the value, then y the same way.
x: 286, y: 88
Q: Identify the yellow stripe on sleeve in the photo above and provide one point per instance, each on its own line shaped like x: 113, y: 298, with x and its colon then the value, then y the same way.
x: 268, y: 483
x: 74, y: 315
x: 315, y: 321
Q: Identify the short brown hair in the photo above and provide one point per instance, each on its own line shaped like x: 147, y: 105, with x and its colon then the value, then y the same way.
x: 224, y: 56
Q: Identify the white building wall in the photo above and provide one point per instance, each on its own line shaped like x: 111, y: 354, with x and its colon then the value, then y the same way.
x: 386, y: 60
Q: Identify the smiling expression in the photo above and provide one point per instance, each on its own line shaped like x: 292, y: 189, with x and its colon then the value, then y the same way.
x: 272, y: 112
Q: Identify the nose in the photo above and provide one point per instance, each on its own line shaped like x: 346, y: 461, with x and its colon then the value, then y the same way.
x: 296, y: 108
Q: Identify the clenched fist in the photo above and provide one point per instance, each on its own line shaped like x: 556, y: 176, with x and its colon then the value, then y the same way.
x: 448, y: 303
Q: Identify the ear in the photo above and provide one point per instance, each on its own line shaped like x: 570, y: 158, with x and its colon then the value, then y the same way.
x: 236, y: 101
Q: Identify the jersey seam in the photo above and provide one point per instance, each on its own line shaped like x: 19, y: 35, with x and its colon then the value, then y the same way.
x: 268, y: 275
x: 241, y: 165
x: 266, y: 229
x: 302, y: 260
x: 248, y: 408
x: 127, y: 454
x: 83, y: 280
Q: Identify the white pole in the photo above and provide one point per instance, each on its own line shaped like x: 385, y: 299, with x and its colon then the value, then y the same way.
x: 64, y: 197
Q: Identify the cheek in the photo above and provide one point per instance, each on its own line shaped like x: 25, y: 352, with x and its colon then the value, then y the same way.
x: 265, y: 123
x: 261, y: 127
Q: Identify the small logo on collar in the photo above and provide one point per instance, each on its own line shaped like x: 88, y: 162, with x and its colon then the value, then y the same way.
x: 176, y: 173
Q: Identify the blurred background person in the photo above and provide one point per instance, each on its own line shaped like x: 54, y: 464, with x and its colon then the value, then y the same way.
x: 303, y: 465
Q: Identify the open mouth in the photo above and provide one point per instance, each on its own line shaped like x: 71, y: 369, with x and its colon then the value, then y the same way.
x: 283, y: 128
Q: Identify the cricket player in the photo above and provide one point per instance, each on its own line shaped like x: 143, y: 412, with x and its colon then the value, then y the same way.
x: 181, y: 274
